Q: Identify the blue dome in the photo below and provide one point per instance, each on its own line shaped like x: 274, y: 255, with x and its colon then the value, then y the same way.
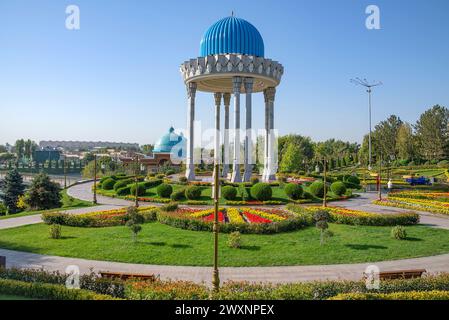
x: 168, y: 141
x: 232, y: 35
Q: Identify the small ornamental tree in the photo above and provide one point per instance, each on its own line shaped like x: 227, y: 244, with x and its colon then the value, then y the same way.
x: 13, y: 188
x: 321, y: 218
x: 134, y: 221
x: 43, y: 193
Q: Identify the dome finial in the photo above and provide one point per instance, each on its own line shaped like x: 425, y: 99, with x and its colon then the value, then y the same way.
x: 232, y: 13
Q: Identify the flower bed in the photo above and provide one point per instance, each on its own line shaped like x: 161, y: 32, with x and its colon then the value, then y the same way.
x: 356, y: 217
x: 105, y: 218
x: 245, y: 220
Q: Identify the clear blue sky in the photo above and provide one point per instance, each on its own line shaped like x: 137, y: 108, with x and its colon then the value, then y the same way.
x: 118, y: 79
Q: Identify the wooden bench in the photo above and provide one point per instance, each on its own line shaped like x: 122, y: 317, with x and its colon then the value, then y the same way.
x: 127, y: 276
x: 400, y: 274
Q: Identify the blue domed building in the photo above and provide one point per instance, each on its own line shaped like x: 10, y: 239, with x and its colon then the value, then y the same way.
x: 170, y: 142
x: 232, y: 63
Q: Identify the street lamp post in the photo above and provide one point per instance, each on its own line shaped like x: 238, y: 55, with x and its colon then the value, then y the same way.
x: 65, y: 173
x: 324, y: 183
x: 95, y: 179
x: 380, y: 177
x: 136, y: 201
x: 368, y: 85
x: 215, y: 277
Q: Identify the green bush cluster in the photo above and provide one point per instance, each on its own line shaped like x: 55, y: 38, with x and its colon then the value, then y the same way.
x: 193, y: 192
x: 123, y: 191
x: 338, y: 188
x: 261, y: 191
x: 411, y: 295
x: 164, y: 190
x: 293, y: 191
x: 229, y: 192
x: 108, y: 184
x: 140, y: 189
x: 317, y: 189
x: 122, y: 183
x: 178, y: 195
x: 398, y: 233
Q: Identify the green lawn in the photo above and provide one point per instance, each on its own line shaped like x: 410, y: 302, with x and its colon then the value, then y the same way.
x: 67, y: 204
x: 165, y: 245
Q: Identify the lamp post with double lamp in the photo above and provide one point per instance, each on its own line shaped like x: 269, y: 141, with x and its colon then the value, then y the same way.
x: 324, y: 182
x: 216, y: 277
x: 369, y: 86
x: 136, y: 201
x: 95, y: 179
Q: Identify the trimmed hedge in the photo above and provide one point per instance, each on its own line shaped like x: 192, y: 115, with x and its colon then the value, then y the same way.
x: 293, y: 191
x: 193, y: 192
x: 108, y: 184
x: 229, y: 192
x: 261, y: 191
x: 317, y: 189
x: 123, y: 191
x: 47, y: 291
x: 164, y: 190
x: 140, y: 189
x: 122, y: 183
x: 178, y: 195
x: 411, y: 295
x: 338, y: 188
x: 373, y: 219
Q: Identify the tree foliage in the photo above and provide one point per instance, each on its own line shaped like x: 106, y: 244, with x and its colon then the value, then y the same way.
x: 13, y: 188
x: 43, y: 193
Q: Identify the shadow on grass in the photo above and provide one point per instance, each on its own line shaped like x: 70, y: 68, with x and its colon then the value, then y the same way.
x: 365, y: 246
x: 250, y: 248
x: 156, y: 243
x: 180, y: 246
x: 413, y: 239
x: 65, y: 238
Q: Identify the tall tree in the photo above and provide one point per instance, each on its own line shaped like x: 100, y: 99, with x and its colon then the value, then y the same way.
x: 43, y: 193
x: 405, y: 142
x: 432, y: 132
x: 20, y: 148
x: 386, y: 133
x: 291, y: 159
x: 13, y: 187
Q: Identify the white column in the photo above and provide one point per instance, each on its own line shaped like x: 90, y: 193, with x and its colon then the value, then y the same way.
x: 217, y: 151
x: 270, y: 167
x: 190, y: 167
x: 248, y: 136
x: 227, y: 102
x: 237, y: 84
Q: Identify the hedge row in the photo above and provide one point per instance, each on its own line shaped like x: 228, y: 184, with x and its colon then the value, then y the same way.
x: 411, y: 295
x: 314, y: 290
x: 93, y: 221
x: 47, y: 291
x: 174, y: 220
x: 371, y: 219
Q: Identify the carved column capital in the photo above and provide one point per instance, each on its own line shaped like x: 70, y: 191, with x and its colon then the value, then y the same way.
x: 237, y: 85
x: 191, y: 89
x: 249, y: 85
x: 227, y: 99
x: 217, y: 97
x: 269, y: 94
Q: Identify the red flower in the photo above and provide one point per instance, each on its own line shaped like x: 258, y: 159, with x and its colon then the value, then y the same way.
x: 211, y: 217
x: 252, y: 218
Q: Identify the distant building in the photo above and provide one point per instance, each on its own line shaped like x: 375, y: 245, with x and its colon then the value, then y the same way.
x: 44, y: 154
x: 87, y: 145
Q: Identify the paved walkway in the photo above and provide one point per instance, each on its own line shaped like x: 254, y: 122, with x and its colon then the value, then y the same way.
x: 281, y: 274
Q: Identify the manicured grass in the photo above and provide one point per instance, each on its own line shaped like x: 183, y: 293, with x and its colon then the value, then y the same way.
x: 165, y: 245
x: 67, y: 204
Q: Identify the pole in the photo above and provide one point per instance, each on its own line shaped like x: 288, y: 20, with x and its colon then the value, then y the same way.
x: 65, y: 173
x: 95, y: 179
x: 324, y: 184
x: 380, y: 178
x: 215, y: 277
x: 369, y: 142
x: 136, y: 203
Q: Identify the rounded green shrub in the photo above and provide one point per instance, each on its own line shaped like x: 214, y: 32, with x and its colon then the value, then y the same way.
x: 261, y: 191
x: 140, y: 190
x: 160, y: 176
x: 338, y: 188
x: 164, y: 190
x: 193, y: 192
x: 229, y: 192
x: 293, y: 191
x: 317, y: 189
x: 108, y: 184
x: 178, y: 195
x: 352, y: 179
x: 183, y: 179
x: 123, y: 191
x: 122, y: 183
x: 169, y: 172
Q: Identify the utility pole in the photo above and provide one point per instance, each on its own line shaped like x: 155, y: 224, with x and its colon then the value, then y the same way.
x: 95, y: 179
x: 136, y: 203
x: 324, y: 182
x: 368, y: 85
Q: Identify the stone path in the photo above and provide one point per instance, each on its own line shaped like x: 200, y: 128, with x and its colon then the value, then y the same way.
x: 281, y: 274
